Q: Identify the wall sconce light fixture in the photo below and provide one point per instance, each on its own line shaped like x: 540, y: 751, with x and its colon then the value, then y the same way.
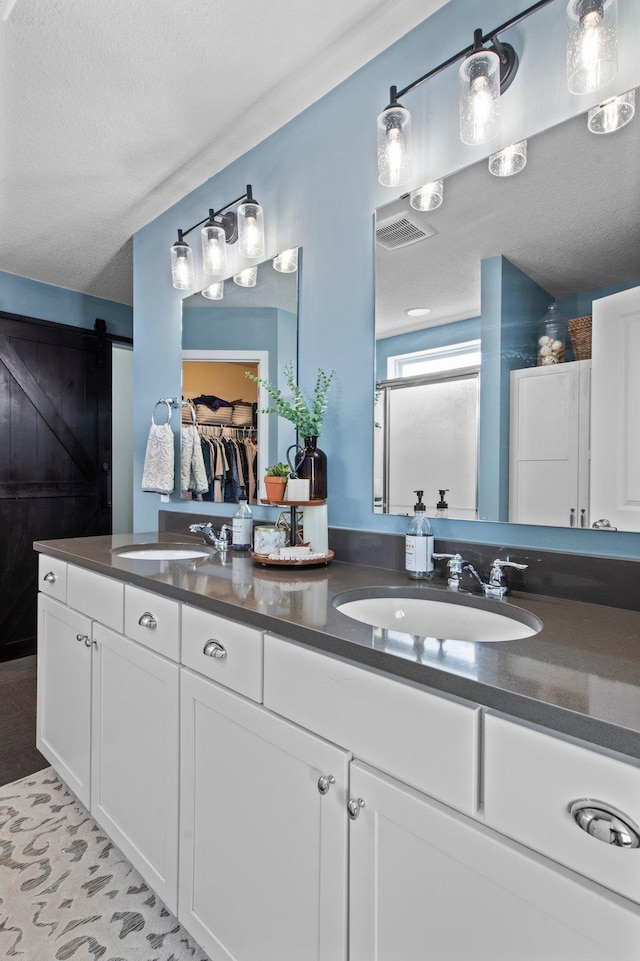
x: 509, y: 161
x: 427, y: 197
x: 488, y: 68
x: 613, y: 114
x: 287, y: 261
x: 214, y: 291
x: 221, y: 227
x: 246, y: 277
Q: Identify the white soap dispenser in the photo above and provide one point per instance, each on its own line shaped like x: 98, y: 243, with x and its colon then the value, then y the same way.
x: 419, y: 542
x: 242, y: 527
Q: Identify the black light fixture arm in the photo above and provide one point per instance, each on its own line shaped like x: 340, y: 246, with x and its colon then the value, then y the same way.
x: 248, y: 196
x: 479, y: 40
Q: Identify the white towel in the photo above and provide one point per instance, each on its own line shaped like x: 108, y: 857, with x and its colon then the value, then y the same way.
x: 157, y: 474
x: 193, y: 475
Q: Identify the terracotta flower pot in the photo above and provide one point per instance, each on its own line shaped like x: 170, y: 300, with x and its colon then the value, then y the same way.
x: 274, y: 487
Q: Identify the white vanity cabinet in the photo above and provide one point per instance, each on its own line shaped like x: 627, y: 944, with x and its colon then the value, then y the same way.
x: 263, y: 840
x: 108, y: 720
x: 63, y: 732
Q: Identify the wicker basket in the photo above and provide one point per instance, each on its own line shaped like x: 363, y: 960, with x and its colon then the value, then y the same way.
x: 580, y: 333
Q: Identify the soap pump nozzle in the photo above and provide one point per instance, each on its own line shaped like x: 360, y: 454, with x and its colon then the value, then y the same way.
x: 442, y: 508
x: 419, y: 506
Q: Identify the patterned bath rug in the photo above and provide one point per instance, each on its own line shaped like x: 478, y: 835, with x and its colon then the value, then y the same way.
x: 66, y: 892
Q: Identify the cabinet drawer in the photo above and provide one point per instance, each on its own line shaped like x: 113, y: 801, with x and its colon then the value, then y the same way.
x: 422, y: 738
x: 531, y: 778
x: 52, y: 577
x: 152, y: 620
x: 101, y: 598
x: 238, y: 663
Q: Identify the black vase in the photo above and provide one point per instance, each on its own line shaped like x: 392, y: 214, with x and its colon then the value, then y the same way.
x: 311, y: 464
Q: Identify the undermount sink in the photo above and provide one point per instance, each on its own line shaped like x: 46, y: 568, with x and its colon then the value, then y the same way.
x: 424, y: 612
x: 161, y: 552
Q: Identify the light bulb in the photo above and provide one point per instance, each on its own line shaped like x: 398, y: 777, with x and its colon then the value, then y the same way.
x: 394, y: 146
x: 182, y: 267
x: 214, y: 249
x: 510, y: 161
x: 613, y: 114
x: 479, y: 97
x: 250, y: 230
x: 427, y: 197
x: 592, y: 44
x: 246, y: 277
x: 214, y: 291
x: 287, y: 261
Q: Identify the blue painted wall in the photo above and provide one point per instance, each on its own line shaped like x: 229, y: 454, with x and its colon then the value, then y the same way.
x: 20, y: 295
x: 317, y: 180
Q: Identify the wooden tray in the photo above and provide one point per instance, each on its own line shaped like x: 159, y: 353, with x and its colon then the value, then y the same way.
x: 298, y: 562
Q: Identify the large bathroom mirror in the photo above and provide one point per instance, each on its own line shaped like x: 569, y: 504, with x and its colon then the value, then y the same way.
x: 467, y: 401
x: 246, y: 329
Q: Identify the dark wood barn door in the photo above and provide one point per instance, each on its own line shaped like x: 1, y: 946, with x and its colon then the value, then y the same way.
x: 55, y: 456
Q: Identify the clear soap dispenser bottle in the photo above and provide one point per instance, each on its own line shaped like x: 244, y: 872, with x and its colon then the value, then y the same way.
x: 442, y: 508
x: 419, y: 542
x: 242, y: 527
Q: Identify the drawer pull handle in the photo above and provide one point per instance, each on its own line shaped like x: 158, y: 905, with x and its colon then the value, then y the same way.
x: 214, y: 649
x: 82, y: 637
x: 606, y: 823
x: 88, y: 642
x: 50, y: 577
x: 325, y: 782
x: 353, y: 807
x: 148, y: 620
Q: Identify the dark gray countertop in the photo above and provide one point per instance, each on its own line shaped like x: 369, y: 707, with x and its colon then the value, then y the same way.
x: 580, y: 675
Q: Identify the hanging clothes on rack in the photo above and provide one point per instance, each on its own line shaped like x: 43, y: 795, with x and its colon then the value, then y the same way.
x: 159, y: 459
x: 230, y: 456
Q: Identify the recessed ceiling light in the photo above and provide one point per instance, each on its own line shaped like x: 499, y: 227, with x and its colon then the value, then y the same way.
x: 417, y: 311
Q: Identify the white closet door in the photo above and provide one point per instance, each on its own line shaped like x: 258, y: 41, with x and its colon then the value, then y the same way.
x: 615, y: 423
x: 428, y: 883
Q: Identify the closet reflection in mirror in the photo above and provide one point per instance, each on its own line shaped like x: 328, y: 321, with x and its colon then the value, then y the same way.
x: 463, y: 402
x: 252, y: 329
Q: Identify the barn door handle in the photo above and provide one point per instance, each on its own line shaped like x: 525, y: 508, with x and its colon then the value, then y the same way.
x: 106, y: 467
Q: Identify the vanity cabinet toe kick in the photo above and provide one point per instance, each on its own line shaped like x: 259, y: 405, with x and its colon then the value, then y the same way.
x: 253, y: 779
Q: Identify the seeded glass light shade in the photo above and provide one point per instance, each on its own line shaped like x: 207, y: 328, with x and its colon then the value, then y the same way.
x: 214, y: 291
x: 592, y: 44
x: 183, y: 275
x: 427, y: 197
x: 250, y: 230
x: 479, y: 97
x: 246, y: 277
x: 214, y: 249
x: 613, y: 114
x: 394, y: 146
x: 510, y: 161
x: 287, y: 261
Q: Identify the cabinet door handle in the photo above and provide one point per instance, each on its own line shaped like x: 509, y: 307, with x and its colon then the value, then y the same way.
x: 325, y: 782
x: 50, y: 577
x: 214, y: 649
x: 572, y: 517
x: 583, y: 517
x: 148, y: 620
x: 353, y: 807
x: 605, y: 823
x: 82, y: 637
x: 88, y: 642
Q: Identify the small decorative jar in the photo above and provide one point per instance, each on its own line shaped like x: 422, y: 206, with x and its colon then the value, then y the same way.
x: 552, y: 336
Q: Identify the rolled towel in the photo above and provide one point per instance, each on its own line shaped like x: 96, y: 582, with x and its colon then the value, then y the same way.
x: 159, y: 459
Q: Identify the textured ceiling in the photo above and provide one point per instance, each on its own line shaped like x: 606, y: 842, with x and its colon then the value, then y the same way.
x: 570, y: 220
x: 111, y: 112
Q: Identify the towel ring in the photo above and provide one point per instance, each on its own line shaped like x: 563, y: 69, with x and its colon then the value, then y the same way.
x: 194, y: 419
x: 155, y: 407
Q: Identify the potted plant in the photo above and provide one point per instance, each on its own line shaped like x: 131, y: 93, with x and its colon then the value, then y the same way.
x: 310, y: 461
x: 275, y: 481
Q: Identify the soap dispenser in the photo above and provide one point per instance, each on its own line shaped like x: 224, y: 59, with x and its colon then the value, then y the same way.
x: 442, y: 508
x: 419, y: 542
x: 242, y: 527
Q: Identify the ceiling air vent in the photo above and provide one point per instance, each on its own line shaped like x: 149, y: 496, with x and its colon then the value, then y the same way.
x: 400, y: 231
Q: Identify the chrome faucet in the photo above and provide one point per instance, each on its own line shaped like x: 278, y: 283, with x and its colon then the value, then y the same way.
x: 220, y: 540
x: 497, y: 585
x: 454, y: 568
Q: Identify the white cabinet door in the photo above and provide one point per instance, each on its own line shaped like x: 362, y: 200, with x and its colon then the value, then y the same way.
x: 263, y: 854
x: 134, y: 767
x: 426, y: 882
x: 549, y: 445
x: 615, y: 441
x: 64, y: 693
